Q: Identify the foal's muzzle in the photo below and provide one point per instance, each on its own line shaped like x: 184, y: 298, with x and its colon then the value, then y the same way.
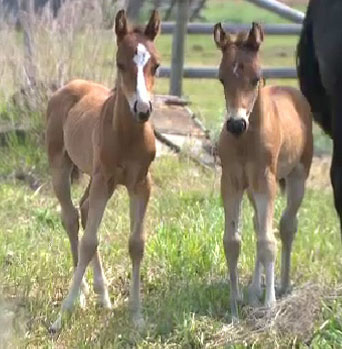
x: 142, y: 110
x: 236, y: 126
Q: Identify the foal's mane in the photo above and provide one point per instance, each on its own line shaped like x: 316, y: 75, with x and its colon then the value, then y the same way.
x: 137, y: 30
x: 239, y: 40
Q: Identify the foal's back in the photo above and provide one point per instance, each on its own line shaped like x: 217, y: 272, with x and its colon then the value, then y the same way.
x: 73, y: 119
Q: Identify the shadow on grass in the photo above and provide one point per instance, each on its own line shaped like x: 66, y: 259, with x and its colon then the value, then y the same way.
x: 172, y: 311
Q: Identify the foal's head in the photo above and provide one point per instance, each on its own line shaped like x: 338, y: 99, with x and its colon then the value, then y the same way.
x: 240, y: 73
x: 137, y: 63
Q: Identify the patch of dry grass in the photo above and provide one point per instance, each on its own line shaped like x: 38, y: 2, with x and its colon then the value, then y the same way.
x: 292, y: 320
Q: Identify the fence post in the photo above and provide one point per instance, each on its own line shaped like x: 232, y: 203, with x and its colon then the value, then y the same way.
x: 177, y: 61
x: 26, y: 16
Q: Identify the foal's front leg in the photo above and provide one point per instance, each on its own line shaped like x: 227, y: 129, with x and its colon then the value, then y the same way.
x: 100, y: 281
x: 232, y: 199
x: 254, y: 289
x: 266, y: 243
x: 98, y: 197
x: 139, y: 197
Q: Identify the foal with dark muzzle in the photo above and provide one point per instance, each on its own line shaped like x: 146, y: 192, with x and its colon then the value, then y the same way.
x: 267, y: 136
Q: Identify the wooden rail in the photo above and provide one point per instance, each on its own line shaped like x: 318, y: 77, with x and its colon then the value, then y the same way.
x: 280, y: 9
x: 181, y: 28
x: 212, y: 73
x: 207, y: 28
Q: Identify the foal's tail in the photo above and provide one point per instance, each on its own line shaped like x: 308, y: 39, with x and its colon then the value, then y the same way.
x: 309, y: 75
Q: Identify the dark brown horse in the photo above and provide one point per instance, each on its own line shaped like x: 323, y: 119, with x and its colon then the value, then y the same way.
x: 319, y: 65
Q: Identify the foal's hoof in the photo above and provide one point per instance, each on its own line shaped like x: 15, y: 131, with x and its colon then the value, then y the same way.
x: 56, y: 326
x: 239, y: 298
x: 283, y: 291
x: 234, y: 320
x: 138, y: 321
x: 269, y: 303
x: 82, y: 300
x: 253, y: 301
x: 84, y: 292
x: 104, y: 302
x: 85, y: 287
x: 254, y: 296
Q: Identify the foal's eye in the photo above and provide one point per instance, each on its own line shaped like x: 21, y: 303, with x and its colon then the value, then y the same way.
x: 255, y: 81
x: 155, y: 68
x: 120, y: 66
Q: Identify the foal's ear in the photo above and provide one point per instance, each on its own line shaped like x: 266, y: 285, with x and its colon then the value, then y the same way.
x: 221, y: 38
x: 153, y: 27
x: 121, y: 27
x: 255, y: 37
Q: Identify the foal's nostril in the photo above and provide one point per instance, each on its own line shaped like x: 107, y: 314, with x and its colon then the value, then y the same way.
x: 144, y: 116
x: 135, y: 107
x: 150, y: 103
x: 243, y: 125
x: 236, y: 126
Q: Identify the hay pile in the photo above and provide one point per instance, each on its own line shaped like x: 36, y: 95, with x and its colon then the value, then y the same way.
x: 293, y: 318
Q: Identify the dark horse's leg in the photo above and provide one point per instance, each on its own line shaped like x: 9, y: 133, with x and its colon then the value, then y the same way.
x: 336, y: 165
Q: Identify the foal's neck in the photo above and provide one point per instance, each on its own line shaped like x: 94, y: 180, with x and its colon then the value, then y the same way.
x: 123, y: 119
x: 258, y: 115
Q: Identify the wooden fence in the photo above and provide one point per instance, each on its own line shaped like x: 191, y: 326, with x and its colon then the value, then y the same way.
x: 212, y: 73
x: 181, y: 28
x: 207, y: 28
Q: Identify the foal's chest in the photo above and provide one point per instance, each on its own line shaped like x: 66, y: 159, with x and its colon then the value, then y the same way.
x: 130, y: 173
x: 245, y: 160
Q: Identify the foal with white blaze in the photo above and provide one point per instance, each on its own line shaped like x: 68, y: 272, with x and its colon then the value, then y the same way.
x: 106, y: 134
x: 267, y: 137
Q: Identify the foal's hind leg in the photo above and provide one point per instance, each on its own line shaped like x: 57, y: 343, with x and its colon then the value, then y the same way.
x: 61, y: 167
x: 100, y: 282
x: 295, y: 183
x: 139, y: 198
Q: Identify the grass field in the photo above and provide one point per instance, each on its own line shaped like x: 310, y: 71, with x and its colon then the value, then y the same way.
x: 184, y: 289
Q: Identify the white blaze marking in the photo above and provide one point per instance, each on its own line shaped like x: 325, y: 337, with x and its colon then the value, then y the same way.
x: 235, y: 69
x: 140, y: 59
x: 237, y: 113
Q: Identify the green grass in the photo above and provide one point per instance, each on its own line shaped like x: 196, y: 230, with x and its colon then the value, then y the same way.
x: 185, y: 291
x: 239, y: 11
